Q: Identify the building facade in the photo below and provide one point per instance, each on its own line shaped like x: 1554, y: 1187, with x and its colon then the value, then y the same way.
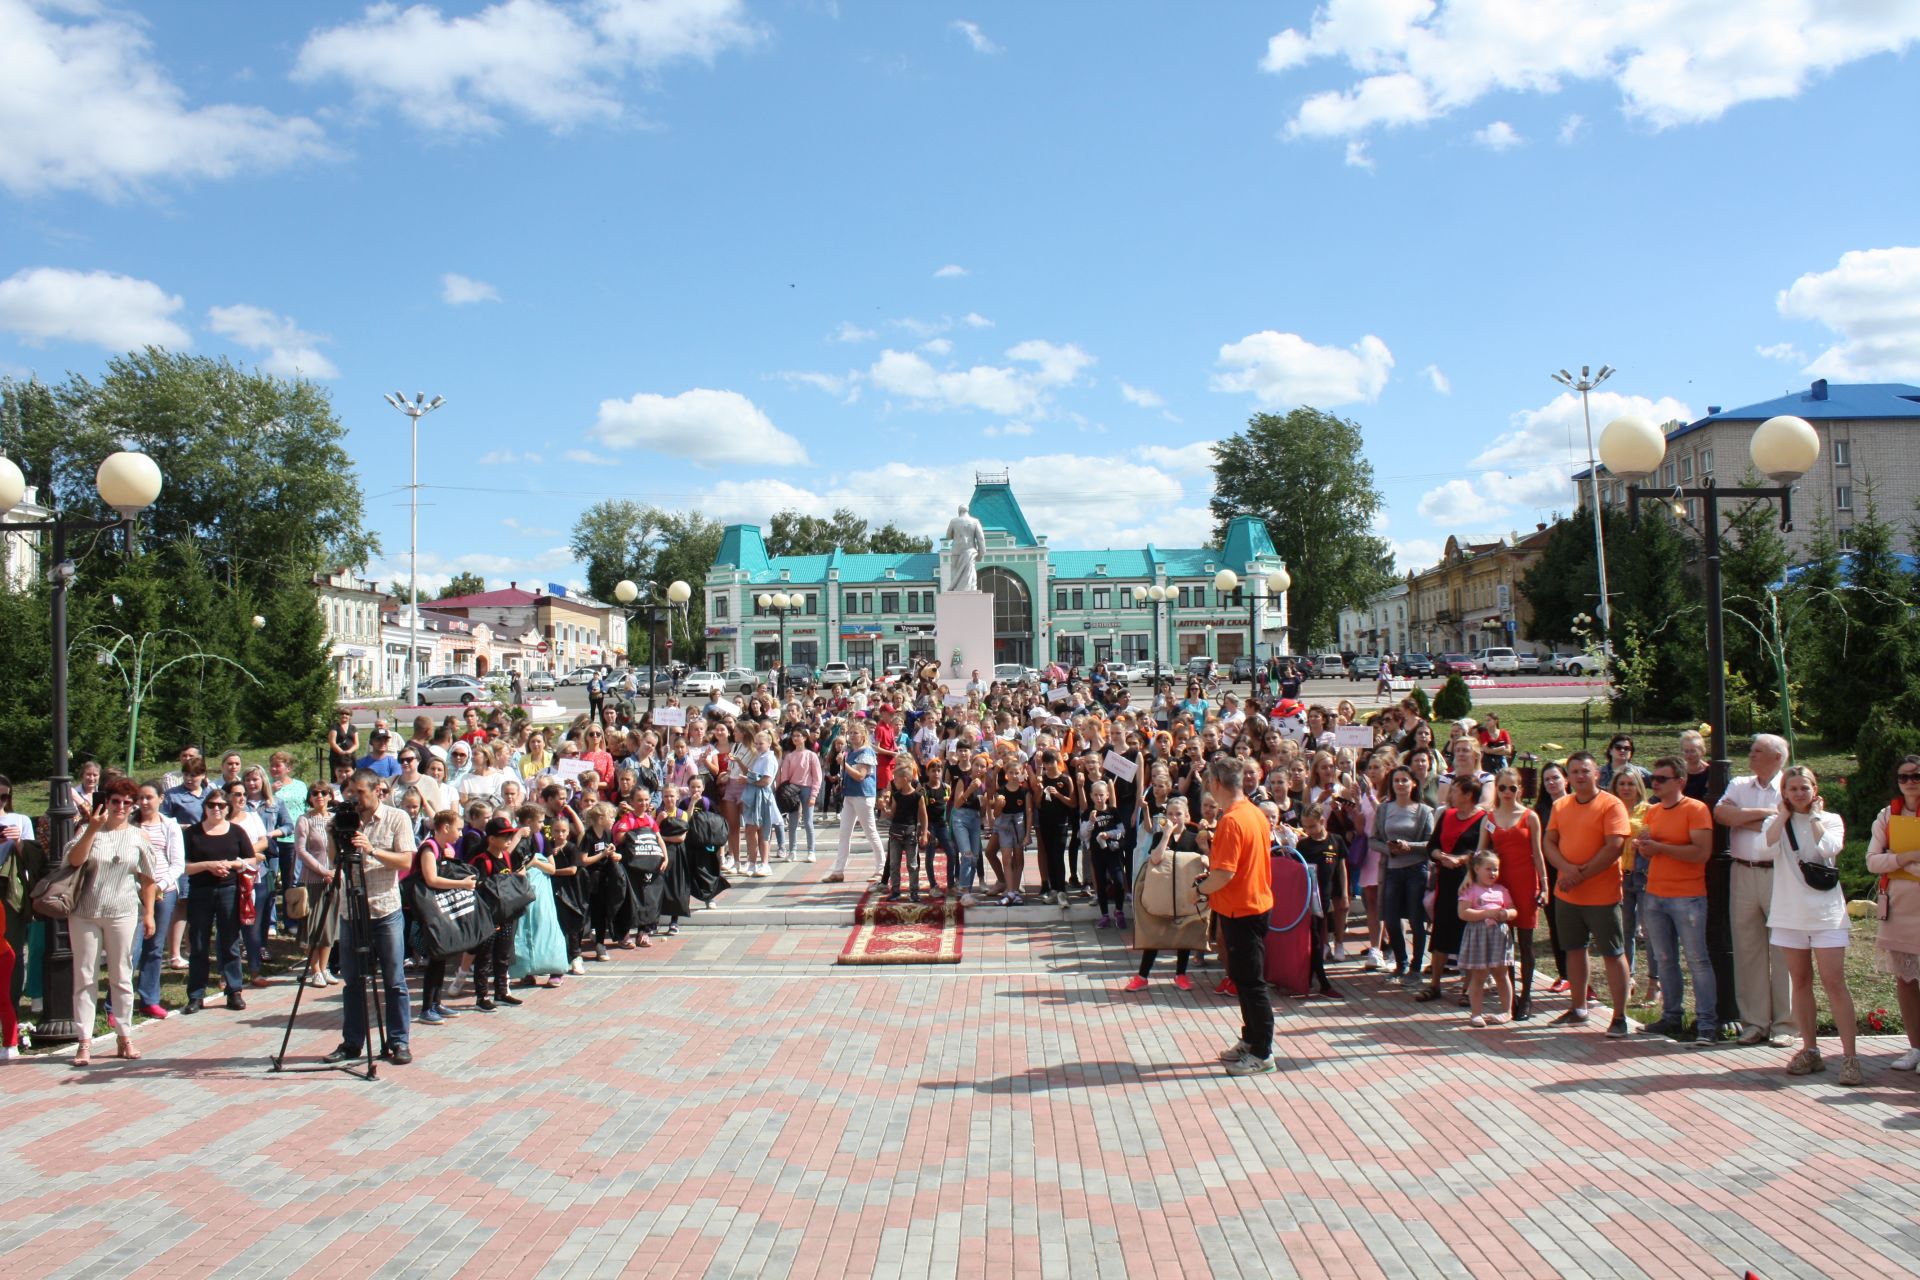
x: 576, y: 631
x: 351, y: 609
x: 1869, y: 436
x: 1472, y: 598
x: 1377, y: 627
x: 22, y: 553
x: 873, y: 611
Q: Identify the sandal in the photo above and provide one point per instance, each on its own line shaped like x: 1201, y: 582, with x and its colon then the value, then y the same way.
x: 1430, y: 994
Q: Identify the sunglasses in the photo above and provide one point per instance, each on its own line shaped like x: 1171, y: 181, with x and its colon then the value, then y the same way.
x: 1908, y: 777
x: 1659, y: 778
x: 215, y: 804
x: 1506, y: 786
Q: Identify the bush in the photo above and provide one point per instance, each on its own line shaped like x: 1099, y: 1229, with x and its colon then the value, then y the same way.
x: 1454, y: 700
x: 1420, y: 701
x: 1890, y: 731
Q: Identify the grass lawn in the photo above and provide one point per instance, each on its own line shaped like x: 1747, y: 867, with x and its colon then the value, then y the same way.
x: 1572, y: 727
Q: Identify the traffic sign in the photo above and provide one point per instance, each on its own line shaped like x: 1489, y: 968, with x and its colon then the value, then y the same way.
x: 544, y: 646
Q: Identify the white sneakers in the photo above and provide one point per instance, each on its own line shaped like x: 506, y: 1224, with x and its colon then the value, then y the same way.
x: 1908, y: 1061
x: 1374, y: 959
x: 762, y: 870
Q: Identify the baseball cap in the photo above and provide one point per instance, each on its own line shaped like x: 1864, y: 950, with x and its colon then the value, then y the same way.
x: 498, y: 826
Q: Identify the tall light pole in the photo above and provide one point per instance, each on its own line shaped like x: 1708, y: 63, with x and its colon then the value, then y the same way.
x: 129, y: 483
x: 1585, y: 384
x: 627, y: 591
x: 781, y: 605
x: 415, y: 409
x: 1277, y: 583
x: 1157, y: 596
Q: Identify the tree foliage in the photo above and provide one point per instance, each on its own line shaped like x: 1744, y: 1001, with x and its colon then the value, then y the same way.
x: 1868, y: 642
x: 1753, y: 557
x: 654, y: 548
x: 462, y: 584
x: 1307, y: 476
x: 791, y: 533
x: 1454, y: 699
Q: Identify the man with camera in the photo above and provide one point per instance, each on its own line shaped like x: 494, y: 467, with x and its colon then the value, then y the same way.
x: 378, y: 839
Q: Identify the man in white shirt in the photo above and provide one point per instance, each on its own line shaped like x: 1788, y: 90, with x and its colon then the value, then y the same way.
x: 1759, y: 976
x: 976, y: 687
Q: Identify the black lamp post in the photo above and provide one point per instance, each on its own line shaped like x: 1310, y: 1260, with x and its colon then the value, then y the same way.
x: 1159, y: 597
x: 626, y: 591
x: 128, y: 482
x: 1784, y: 448
x: 1277, y: 582
x: 782, y: 606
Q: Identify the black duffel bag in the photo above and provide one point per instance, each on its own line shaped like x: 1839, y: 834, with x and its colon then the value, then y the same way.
x: 508, y: 894
x: 451, y: 921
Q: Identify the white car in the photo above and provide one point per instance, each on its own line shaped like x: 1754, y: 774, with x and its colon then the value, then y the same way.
x: 836, y: 673
x: 1329, y: 664
x: 540, y: 682
x: 702, y: 683
x: 1575, y: 664
x: 1500, y: 662
x: 1009, y: 673
x: 579, y: 675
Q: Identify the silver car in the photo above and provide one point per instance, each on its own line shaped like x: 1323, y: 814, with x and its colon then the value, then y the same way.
x: 441, y: 690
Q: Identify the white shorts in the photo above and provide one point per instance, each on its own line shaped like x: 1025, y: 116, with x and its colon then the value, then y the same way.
x: 1808, y: 939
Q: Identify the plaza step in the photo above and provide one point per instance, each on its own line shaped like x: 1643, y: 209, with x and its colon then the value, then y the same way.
x: 761, y: 915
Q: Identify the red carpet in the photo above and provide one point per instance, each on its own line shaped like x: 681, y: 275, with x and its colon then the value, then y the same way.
x: 903, y: 932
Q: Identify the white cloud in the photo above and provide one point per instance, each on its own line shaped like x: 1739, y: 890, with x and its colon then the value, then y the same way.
x: 1357, y: 157
x: 1008, y: 429
x: 1547, y: 486
x: 527, y: 530
x: 507, y: 458
x: 1570, y: 128
x: 1498, y: 136
x: 845, y: 386
x: 1556, y: 431
x: 1186, y: 459
x: 701, y: 426
x: 554, y: 64
x: 1285, y: 369
x: 84, y: 107
x: 1457, y: 502
x: 1411, y: 555
x: 938, y: 346
x: 974, y: 320
x: 292, y: 352
x: 851, y: 332
x: 975, y: 36
x: 588, y: 458
x: 1003, y: 390
x: 532, y: 571
x: 120, y: 313
x: 1784, y: 352
x: 1438, y: 379
x: 922, y: 328
x: 952, y: 271
x: 457, y: 290
x: 1872, y: 300
x: 1141, y: 396
x: 1672, y: 61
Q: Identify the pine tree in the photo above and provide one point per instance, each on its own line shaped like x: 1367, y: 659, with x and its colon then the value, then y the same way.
x: 1753, y: 557
x: 196, y: 702
x: 1453, y: 700
x: 295, y: 696
x: 1868, y: 644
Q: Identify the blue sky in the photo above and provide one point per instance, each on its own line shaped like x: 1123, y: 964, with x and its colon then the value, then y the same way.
x: 747, y: 254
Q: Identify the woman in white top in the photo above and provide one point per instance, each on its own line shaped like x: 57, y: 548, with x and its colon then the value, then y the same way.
x: 1809, y: 925
x: 484, y: 782
x: 118, y: 894
x: 169, y: 860
x: 322, y: 924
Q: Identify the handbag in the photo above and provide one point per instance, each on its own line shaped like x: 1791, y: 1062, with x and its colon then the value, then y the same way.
x: 59, y: 891
x: 249, y: 909
x: 788, y: 795
x: 452, y: 921
x: 1821, y: 877
x: 508, y: 894
x: 297, y: 902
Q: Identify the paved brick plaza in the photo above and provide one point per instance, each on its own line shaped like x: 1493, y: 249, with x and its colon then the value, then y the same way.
x: 732, y: 1103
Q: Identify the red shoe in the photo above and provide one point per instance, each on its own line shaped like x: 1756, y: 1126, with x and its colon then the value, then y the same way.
x: 1559, y: 985
x: 1183, y: 982
x: 1135, y: 983
x: 1226, y: 988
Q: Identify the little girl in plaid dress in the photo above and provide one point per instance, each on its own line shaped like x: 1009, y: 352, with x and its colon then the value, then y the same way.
x: 1486, y: 908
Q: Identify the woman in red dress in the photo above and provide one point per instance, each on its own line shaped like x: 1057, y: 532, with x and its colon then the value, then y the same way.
x: 1512, y: 830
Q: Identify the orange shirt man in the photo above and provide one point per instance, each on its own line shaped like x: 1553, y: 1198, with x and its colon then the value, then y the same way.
x: 1239, y: 885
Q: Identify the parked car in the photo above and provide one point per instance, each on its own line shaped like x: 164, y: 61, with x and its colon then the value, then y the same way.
x: 701, y: 683
x: 1413, y: 664
x: 1242, y: 668
x: 1200, y: 667
x: 798, y: 675
x: 893, y: 674
x: 539, y: 682
x: 580, y: 675
x: 1365, y: 667
x: 1457, y: 664
x: 1009, y: 673
x: 836, y: 674
x: 1528, y: 664
x: 740, y: 680
x: 1500, y: 662
x: 439, y: 690
x: 1575, y: 664
x: 1330, y: 665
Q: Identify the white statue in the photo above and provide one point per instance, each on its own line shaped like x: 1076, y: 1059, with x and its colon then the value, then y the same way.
x: 969, y: 543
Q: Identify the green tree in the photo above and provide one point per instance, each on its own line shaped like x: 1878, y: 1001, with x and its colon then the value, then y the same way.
x: 462, y: 584
x: 403, y: 593
x: 791, y: 533
x: 1454, y: 699
x: 1655, y: 594
x: 1869, y: 642
x: 294, y: 699
x: 616, y: 539
x: 196, y: 702
x: 1307, y: 476
x: 890, y: 539
x: 689, y: 544
x: 1753, y: 557
x: 1561, y: 585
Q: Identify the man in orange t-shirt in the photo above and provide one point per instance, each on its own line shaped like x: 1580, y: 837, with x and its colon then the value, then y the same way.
x: 1677, y: 843
x: 1584, y: 840
x: 1239, y: 887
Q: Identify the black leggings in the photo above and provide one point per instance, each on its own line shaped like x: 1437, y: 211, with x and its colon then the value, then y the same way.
x: 1318, y: 973
x: 432, y: 985
x: 1148, y: 956
x: 492, y: 958
x: 1052, y: 835
x: 1109, y: 879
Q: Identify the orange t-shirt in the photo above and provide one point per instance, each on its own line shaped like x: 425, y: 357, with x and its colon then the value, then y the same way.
x: 1668, y: 876
x: 1584, y: 829
x: 1243, y: 844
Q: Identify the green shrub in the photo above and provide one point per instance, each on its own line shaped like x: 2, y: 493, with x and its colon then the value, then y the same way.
x: 1453, y: 700
x: 1890, y: 731
x: 1420, y: 701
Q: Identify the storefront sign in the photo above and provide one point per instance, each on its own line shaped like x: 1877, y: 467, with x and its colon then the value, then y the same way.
x: 859, y: 628
x: 716, y: 632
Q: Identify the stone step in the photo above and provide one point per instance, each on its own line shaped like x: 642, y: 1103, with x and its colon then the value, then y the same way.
x: 772, y: 915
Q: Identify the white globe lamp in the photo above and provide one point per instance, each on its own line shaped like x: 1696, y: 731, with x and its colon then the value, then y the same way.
x: 1632, y: 448
x: 128, y: 482
x: 626, y: 591
x: 13, y: 485
x: 1785, y: 448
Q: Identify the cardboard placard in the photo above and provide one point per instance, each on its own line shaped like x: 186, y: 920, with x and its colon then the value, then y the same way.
x: 1059, y: 693
x: 955, y: 700
x: 568, y: 770
x: 1359, y: 736
x: 1120, y: 767
x: 670, y: 717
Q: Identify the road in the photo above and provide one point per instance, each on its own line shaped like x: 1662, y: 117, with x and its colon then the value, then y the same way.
x: 573, y: 698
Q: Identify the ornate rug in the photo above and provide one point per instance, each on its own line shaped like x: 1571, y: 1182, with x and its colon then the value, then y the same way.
x: 903, y: 932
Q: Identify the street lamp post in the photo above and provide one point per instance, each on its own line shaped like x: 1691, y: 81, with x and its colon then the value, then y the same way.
x: 1585, y: 384
x: 1784, y: 448
x: 129, y: 483
x: 626, y: 591
x: 782, y: 606
x: 415, y: 409
x: 1277, y: 583
x: 1157, y: 596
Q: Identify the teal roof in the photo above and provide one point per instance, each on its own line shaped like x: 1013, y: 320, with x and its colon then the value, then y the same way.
x: 742, y: 547
x: 918, y: 566
x: 995, y: 507
x: 1083, y: 564
x: 1195, y: 562
x: 1247, y: 541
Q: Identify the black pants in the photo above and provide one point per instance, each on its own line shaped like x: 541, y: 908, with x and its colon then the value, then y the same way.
x: 433, y: 985
x: 1719, y: 930
x: 1318, y: 973
x: 1243, y: 943
x: 1109, y: 877
x: 903, y: 850
x: 1051, y: 834
x: 1148, y: 956
x: 491, y: 960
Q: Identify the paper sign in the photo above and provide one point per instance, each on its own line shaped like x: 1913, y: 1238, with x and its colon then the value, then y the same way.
x: 670, y: 717
x: 1352, y: 735
x: 1120, y: 767
x: 1058, y: 693
x: 956, y: 699
x: 568, y: 770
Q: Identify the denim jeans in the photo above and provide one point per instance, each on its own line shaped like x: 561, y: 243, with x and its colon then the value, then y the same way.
x: 391, y: 955
x: 801, y: 818
x: 1401, y: 892
x: 213, y: 918
x: 256, y: 933
x: 1675, y: 925
x: 1633, y: 895
x: 963, y: 829
x: 153, y: 950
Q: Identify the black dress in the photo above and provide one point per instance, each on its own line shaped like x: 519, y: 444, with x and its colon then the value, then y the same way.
x: 676, y: 900
x: 1453, y: 836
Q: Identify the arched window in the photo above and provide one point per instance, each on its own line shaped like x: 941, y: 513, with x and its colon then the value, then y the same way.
x: 1012, y: 614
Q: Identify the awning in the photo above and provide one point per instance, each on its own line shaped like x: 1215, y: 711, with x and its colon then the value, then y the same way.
x: 348, y: 651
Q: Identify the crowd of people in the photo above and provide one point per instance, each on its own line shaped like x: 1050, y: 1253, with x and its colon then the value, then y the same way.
x: 1431, y: 852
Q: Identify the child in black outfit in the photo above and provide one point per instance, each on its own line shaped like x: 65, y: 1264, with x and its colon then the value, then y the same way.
x: 1108, y: 829
x: 1321, y: 855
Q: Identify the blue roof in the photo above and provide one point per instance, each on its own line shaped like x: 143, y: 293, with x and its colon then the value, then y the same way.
x: 1908, y: 565
x: 1247, y: 541
x: 1136, y: 563
x: 1195, y: 562
x: 995, y: 507
x: 917, y: 566
x: 1826, y: 401
x: 742, y: 547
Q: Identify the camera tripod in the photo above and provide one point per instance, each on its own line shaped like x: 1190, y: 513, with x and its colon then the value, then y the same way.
x: 349, y: 886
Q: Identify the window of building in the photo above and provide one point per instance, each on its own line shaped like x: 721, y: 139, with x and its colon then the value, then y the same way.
x: 1237, y: 600
x: 1843, y: 453
x: 1079, y: 598
x: 866, y: 602
x: 850, y: 602
x: 1186, y: 597
x: 1666, y: 476
x: 1060, y: 599
x: 1686, y: 469
x: 889, y: 602
x: 719, y: 607
x: 1102, y: 598
x: 1133, y: 647
x: 1846, y: 539
x: 812, y: 606
x: 1126, y: 599
x: 1843, y: 498
x: 1706, y: 462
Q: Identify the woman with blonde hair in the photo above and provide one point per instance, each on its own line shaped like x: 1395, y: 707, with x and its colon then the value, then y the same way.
x: 1893, y: 854
x: 1807, y: 916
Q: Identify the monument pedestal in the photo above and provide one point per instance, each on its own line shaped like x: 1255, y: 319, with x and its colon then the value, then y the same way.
x: 963, y: 624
